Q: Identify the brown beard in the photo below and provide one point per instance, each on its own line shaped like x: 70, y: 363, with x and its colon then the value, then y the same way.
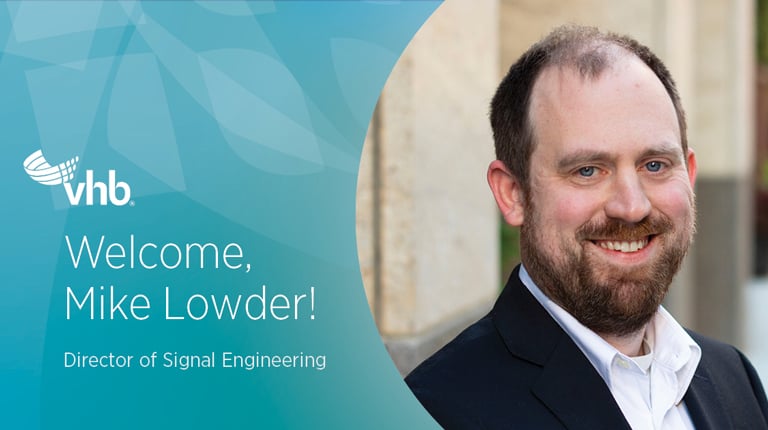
x: 609, y: 300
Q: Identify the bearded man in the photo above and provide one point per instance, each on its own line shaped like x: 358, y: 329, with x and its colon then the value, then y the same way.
x: 594, y: 167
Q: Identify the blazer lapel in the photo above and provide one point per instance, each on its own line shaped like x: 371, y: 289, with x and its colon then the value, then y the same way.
x: 704, y: 405
x: 573, y: 390
x: 568, y: 384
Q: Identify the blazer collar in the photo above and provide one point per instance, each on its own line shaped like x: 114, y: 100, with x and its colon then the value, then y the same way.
x: 568, y: 384
x: 704, y: 404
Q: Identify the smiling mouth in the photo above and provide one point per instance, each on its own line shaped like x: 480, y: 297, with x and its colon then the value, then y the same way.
x: 623, y: 245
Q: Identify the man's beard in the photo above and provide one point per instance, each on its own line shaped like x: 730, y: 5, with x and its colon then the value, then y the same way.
x: 607, y: 298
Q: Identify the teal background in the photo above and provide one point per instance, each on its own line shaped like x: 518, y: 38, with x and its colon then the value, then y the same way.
x: 238, y: 121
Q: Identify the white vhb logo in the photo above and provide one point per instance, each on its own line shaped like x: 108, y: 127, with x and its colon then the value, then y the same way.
x: 39, y: 170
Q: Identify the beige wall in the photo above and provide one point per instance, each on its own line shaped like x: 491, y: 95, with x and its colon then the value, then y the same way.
x: 427, y: 224
x: 725, y: 88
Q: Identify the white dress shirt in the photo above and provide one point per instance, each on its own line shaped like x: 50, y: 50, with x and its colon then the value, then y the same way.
x: 648, y: 389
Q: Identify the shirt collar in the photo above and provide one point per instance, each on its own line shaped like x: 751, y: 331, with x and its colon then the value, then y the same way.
x: 673, y: 348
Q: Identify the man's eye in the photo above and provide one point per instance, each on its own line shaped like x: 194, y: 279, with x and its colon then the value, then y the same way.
x: 587, y: 171
x: 654, y: 166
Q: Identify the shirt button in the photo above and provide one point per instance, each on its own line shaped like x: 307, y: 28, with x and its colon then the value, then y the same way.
x: 622, y: 363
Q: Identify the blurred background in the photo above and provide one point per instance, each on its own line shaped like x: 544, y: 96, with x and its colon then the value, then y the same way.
x: 433, y: 250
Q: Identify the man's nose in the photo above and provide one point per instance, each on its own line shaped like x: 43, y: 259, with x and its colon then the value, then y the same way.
x: 628, y: 201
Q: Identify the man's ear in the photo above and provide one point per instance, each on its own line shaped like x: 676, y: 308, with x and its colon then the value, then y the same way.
x: 691, y: 161
x: 508, y: 193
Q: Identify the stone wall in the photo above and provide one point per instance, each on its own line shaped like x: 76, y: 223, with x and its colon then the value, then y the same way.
x: 427, y: 223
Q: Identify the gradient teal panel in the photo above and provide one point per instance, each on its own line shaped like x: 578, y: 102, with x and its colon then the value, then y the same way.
x: 233, y: 126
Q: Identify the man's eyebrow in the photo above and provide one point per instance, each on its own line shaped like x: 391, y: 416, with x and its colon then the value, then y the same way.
x: 673, y: 151
x: 582, y: 156
x: 586, y: 156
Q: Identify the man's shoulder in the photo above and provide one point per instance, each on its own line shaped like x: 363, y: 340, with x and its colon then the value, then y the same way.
x: 470, y: 365
x: 722, y: 361
x: 460, y: 357
x: 467, y: 382
x: 708, y: 342
x: 717, y: 354
x: 726, y: 379
x: 506, y: 347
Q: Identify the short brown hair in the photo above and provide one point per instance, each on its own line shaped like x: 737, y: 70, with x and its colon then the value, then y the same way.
x: 584, y: 49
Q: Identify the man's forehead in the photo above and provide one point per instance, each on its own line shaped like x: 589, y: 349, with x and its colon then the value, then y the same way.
x: 557, y: 79
x: 562, y: 84
x: 626, y: 100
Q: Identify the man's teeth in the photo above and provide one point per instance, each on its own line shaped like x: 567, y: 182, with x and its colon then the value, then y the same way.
x: 624, y: 246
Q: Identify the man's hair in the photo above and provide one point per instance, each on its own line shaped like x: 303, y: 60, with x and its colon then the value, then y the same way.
x: 584, y: 49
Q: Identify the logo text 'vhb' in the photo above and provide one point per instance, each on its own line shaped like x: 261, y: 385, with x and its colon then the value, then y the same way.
x: 106, y: 191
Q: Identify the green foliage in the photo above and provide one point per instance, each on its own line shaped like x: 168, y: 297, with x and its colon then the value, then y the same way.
x: 764, y: 176
x: 510, y: 249
x: 761, y: 32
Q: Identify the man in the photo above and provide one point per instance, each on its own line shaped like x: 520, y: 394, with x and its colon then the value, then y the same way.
x: 595, y: 168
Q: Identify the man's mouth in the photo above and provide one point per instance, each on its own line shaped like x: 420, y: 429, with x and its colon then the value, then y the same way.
x: 623, y: 245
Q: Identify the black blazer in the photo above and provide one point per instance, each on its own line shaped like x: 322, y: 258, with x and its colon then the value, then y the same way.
x: 517, y: 369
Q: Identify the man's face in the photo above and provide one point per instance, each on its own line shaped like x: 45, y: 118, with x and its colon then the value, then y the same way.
x: 610, y: 213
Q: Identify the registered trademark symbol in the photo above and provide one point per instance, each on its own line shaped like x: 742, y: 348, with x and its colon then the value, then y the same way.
x: 132, y: 203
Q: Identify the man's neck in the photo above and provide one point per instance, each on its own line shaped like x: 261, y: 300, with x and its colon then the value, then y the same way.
x: 630, y: 345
